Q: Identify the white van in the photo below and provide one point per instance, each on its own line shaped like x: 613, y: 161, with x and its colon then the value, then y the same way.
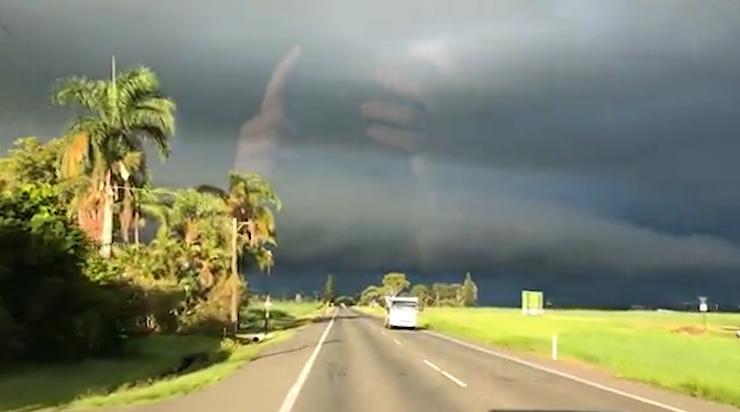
x: 402, y: 312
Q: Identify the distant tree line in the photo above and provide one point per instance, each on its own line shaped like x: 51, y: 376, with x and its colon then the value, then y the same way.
x: 438, y: 294
x: 330, y: 293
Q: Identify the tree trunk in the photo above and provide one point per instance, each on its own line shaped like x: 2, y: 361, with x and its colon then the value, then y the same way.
x: 235, y: 298
x: 126, y: 216
x: 107, y: 234
x: 136, y: 226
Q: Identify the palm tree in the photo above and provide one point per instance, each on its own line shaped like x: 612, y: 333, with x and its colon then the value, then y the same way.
x: 103, y: 144
x: 251, y: 201
x: 195, y: 216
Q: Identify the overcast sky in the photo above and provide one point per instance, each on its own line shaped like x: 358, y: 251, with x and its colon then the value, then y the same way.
x: 558, y: 141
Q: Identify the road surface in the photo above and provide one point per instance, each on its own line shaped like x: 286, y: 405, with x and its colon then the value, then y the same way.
x: 350, y: 363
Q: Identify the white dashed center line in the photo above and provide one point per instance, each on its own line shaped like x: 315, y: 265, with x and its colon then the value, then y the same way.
x: 398, y: 342
x: 446, y: 374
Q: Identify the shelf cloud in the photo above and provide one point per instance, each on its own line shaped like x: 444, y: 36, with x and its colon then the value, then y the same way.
x: 572, y: 138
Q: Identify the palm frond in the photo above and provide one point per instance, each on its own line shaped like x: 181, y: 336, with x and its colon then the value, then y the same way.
x: 255, y: 188
x: 136, y: 83
x: 153, y: 135
x: 90, y: 94
x: 154, y: 112
x: 214, y: 190
x: 264, y: 222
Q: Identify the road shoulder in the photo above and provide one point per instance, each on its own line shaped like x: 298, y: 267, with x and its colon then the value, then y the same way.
x: 260, y: 384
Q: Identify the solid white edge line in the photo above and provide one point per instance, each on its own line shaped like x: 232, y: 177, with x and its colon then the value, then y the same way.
x: 556, y: 372
x: 446, y: 374
x: 295, y: 390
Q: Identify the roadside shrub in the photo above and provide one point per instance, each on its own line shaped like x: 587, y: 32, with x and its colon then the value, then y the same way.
x: 210, y: 314
x: 8, y: 335
x: 50, y: 308
x: 168, y: 286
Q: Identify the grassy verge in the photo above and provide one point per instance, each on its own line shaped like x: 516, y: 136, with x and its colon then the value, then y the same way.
x: 671, y: 350
x: 236, y: 355
x: 283, y: 315
x: 152, y: 368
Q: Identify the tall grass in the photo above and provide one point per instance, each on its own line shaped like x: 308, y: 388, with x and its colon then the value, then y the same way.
x: 179, y: 384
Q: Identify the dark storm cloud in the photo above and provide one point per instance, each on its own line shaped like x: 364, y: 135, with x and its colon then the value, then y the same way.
x: 6, y: 30
x: 403, y: 225
x: 558, y: 136
x: 393, y: 113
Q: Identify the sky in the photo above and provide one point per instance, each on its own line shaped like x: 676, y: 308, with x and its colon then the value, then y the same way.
x: 584, y: 148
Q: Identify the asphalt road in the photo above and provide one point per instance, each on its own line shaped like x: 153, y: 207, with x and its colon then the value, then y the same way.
x: 366, y: 368
x: 350, y: 363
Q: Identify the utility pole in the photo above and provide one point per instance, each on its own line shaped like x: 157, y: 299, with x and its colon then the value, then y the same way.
x: 234, y: 315
x: 268, y: 303
x: 106, y: 238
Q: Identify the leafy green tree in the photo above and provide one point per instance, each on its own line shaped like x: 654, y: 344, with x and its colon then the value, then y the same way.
x: 205, y: 221
x: 424, y: 294
x: 252, y: 202
x: 469, y: 291
x: 371, y: 294
x: 394, y: 283
x: 187, y: 264
x: 105, y: 144
x: 446, y: 294
x: 199, y: 218
x: 49, y: 309
x: 31, y: 162
x: 330, y: 292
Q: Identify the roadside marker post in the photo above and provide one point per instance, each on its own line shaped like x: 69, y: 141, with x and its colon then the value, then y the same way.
x: 268, y: 305
x: 703, y: 308
x: 554, y: 347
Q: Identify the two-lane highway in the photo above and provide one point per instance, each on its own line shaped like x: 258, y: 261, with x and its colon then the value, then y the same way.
x: 369, y: 371
x: 348, y: 362
x: 363, y: 367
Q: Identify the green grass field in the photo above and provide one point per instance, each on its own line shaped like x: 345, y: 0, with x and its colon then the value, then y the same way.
x: 145, y: 373
x: 283, y: 315
x: 671, y: 350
